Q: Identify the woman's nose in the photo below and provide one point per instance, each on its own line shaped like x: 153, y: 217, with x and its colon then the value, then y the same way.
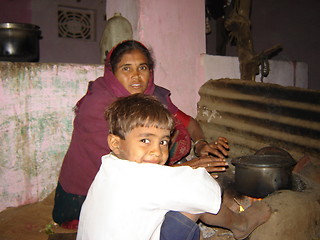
x: 136, y: 74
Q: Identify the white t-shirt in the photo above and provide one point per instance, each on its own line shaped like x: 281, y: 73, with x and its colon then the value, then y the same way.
x: 128, y: 200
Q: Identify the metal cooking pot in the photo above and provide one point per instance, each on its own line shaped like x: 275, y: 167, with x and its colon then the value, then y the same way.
x: 19, y: 42
x: 260, y: 175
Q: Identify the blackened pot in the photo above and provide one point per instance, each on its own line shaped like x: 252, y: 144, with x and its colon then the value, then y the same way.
x: 260, y: 175
x: 19, y: 42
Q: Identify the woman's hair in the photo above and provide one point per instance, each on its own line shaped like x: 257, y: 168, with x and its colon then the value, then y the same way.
x: 137, y: 110
x: 126, y: 47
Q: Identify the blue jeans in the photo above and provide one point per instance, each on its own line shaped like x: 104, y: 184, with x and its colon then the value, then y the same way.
x: 176, y: 226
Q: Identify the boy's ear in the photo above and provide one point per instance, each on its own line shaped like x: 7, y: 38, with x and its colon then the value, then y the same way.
x: 113, y: 142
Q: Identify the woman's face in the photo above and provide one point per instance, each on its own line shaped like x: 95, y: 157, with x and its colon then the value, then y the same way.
x: 133, y: 72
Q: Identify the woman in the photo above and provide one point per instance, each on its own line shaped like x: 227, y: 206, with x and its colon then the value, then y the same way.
x: 128, y: 70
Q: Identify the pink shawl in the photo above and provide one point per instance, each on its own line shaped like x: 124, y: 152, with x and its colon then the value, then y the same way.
x: 89, y: 138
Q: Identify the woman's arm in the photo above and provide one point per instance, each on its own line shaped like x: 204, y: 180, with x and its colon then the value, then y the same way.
x: 210, y: 155
x: 218, y: 148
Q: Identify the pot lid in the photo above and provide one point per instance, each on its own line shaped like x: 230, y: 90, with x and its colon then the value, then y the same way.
x: 263, y: 161
x: 272, y: 150
x: 11, y: 25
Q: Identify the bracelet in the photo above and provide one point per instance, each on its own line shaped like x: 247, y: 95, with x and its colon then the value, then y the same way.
x: 195, y: 144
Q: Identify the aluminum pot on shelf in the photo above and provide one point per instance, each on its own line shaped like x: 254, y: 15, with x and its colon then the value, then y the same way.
x: 19, y: 42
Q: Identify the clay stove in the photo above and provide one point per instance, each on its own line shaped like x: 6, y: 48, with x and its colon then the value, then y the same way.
x: 295, y: 212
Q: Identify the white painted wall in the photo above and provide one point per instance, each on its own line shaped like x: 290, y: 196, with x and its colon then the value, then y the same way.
x: 285, y: 73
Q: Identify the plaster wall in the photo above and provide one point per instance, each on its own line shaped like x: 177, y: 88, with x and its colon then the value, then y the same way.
x: 36, y: 102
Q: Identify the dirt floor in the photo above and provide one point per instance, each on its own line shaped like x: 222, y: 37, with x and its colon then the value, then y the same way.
x: 29, y: 222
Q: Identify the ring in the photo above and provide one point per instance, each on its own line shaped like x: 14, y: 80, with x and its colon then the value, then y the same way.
x: 208, y: 164
x: 215, y: 143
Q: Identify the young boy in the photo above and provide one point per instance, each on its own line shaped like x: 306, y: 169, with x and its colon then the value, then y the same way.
x: 134, y: 196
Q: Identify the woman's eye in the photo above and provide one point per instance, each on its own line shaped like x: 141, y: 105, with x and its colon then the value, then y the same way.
x: 145, y: 140
x: 144, y: 67
x: 126, y: 68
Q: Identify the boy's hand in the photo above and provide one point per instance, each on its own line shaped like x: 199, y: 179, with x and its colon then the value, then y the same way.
x: 211, y: 164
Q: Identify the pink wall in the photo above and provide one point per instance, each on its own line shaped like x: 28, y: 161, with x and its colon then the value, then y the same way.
x: 15, y: 11
x: 36, y: 101
x: 176, y: 33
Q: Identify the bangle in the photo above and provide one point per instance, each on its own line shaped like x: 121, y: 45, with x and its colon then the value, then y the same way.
x: 195, y: 144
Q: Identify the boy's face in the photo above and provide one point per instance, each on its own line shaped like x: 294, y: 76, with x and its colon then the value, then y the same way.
x: 142, y: 145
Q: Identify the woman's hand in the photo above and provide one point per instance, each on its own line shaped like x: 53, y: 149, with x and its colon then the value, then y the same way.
x: 218, y: 148
x: 210, y: 163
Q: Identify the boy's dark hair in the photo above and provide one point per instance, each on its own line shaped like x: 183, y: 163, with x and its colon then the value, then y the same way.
x: 126, y: 47
x: 137, y: 110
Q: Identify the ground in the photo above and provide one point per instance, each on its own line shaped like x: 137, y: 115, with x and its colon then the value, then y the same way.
x: 29, y: 222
